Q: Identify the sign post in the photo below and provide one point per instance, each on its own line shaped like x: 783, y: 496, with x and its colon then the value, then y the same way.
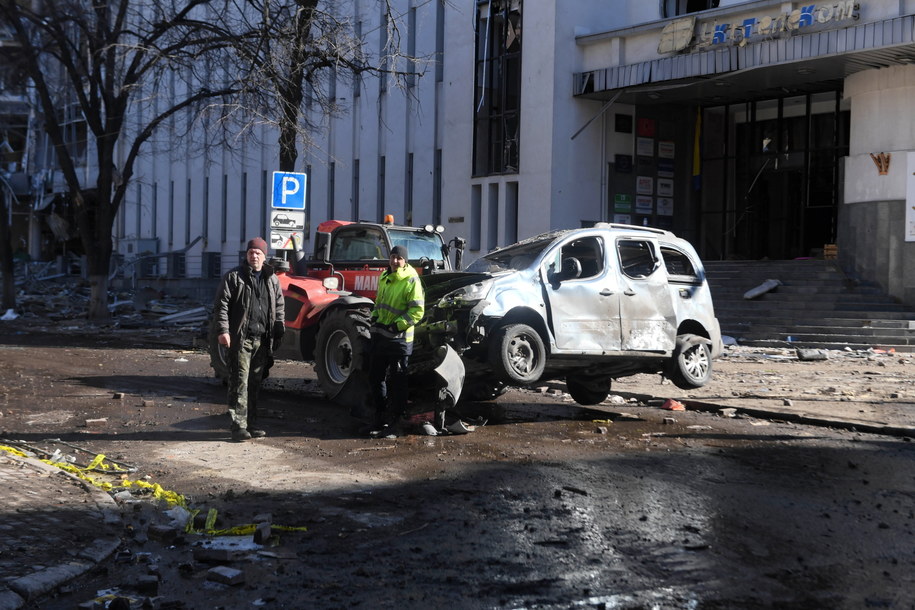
x: 288, y: 213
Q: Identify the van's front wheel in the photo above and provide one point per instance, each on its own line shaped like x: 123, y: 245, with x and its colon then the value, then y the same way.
x: 517, y: 354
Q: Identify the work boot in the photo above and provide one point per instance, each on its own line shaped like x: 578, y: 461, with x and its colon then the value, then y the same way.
x: 257, y: 433
x: 240, y: 434
x: 372, y: 429
x: 390, y: 431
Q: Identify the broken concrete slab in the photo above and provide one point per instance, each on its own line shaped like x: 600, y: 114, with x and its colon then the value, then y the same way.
x: 226, y: 575
x: 37, y: 584
x: 809, y: 355
x: 767, y: 286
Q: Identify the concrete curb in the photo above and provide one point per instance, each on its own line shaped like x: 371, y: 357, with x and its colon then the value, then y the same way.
x: 794, y: 415
x: 806, y: 418
x: 26, y: 589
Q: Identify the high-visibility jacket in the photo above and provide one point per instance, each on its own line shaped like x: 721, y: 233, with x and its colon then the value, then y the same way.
x: 400, y: 301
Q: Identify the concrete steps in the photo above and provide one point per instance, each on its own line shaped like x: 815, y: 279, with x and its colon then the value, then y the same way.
x: 816, y: 306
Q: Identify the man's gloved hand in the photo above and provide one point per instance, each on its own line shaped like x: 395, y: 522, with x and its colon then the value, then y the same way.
x: 393, y: 327
x: 279, y: 329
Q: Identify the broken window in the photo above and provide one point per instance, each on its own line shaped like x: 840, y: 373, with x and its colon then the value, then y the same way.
x: 679, y: 266
x: 637, y: 258
x: 589, y: 254
x: 497, y: 102
x: 673, y: 8
x: 75, y: 134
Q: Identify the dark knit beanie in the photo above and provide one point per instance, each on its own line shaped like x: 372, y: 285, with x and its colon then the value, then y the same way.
x: 400, y: 251
x: 259, y: 243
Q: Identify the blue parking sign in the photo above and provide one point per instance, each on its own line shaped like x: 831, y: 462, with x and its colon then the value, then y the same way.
x: 289, y: 190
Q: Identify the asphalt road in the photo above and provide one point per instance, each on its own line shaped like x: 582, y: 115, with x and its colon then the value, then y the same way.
x: 549, y: 505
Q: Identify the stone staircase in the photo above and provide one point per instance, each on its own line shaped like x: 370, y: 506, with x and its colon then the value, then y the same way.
x: 816, y: 306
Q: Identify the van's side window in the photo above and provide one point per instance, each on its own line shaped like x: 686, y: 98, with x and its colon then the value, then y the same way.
x: 589, y: 253
x: 679, y: 265
x: 637, y: 258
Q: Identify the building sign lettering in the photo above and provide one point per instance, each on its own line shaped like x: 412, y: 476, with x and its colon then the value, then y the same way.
x: 716, y: 33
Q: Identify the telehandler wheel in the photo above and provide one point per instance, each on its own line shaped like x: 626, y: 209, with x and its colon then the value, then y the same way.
x: 341, y: 356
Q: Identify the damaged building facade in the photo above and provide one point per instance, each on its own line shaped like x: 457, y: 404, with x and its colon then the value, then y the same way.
x: 754, y: 129
x: 780, y: 127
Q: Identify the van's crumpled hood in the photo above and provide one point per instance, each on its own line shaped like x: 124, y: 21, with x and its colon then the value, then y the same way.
x: 439, y: 284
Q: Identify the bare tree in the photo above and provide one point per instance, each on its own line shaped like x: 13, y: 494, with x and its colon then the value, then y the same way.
x: 304, y: 51
x: 105, y: 57
x: 99, y: 55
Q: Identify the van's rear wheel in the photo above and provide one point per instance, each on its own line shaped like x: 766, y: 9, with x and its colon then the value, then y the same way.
x: 691, y: 366
x: 341, y: 353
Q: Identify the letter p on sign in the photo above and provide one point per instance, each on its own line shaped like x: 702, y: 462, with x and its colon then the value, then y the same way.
x: 289, y: 190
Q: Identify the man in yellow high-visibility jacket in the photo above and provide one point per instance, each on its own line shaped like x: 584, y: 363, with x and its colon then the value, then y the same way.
x: 399, y: 305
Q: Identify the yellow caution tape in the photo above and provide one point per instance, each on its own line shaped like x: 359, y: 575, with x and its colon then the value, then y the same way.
x: 13, y: 451
x: 170, y: 497
x: 249, y: 528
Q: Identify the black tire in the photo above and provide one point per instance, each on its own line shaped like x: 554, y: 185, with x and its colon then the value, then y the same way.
x: 588, y: 390
x: 691, y: 366
x: 483, y: 389
x: 341, y: 355
x: 517, y: 354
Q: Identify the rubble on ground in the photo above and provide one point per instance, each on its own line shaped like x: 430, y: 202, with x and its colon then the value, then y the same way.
x: 60, y: 302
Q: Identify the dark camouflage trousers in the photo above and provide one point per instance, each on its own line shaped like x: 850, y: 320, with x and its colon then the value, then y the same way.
x: 246, y: 368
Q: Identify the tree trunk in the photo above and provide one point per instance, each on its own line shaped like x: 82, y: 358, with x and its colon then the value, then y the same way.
x: 290, y: 91
x: 6, y: 252
x: 98, y: 297
x: 98, y: 248
x: 98, y: 260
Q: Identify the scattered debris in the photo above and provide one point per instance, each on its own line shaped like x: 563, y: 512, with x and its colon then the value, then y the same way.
x: 767, y: 286
x: 673, y: 405
x: 226, y: 575
x: 575, y: 490
x: 811, y: 354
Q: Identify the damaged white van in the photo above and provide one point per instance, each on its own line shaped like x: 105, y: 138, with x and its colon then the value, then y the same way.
x: 587, y: 305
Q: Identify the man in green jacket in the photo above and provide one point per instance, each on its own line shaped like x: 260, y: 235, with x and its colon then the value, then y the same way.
x: 249, y: 314
x: 399, y: 305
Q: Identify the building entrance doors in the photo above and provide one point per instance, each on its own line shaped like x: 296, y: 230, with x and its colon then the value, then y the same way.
x: 770, y: 179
